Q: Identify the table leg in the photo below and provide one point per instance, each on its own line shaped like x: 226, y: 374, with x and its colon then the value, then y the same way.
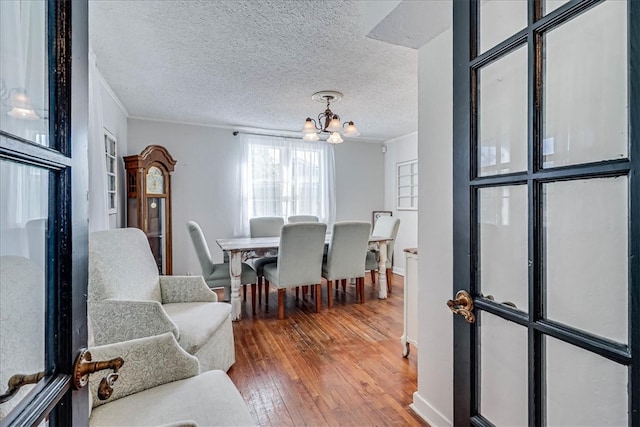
x: 235, y: 271
x: 382, y: 269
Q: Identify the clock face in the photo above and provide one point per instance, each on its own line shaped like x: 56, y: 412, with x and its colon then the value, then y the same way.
x: 155, y: 181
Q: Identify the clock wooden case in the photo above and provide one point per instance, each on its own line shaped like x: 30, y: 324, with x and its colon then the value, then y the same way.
x: 149, y: 200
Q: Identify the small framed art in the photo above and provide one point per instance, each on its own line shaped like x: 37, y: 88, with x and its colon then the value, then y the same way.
x: 377, y: 214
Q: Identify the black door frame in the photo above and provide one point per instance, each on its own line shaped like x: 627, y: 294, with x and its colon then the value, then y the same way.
x: 466, y: 183
x: 67, y: 239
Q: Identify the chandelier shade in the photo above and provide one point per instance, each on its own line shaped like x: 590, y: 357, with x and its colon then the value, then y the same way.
x: 328, y: 122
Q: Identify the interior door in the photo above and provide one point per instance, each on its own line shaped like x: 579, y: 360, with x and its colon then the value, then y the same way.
x: 546, y: 208
x: 43, y: 209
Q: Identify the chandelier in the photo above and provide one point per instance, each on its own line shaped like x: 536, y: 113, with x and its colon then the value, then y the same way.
x: 328, y: 122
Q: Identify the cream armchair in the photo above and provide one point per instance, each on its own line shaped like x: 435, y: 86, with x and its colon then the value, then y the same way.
x: 160, y: 384
x: 128, y: 299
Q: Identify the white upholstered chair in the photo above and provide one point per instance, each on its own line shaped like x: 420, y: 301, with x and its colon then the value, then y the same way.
x: 299, y: 260
x: 385, y: 226
x: 264, y: 226
x: 216, y: 275
x: 302, y: 218
x: 128, y: 299
x: 160, y: 384
x: 346, y: 256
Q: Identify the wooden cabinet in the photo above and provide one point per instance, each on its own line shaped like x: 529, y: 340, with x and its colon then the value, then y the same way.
x: 149, y: 200
x: 410, y: 334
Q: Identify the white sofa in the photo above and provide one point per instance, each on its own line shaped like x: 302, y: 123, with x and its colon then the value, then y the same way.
x: 160, y: 384
x: 128, y: 299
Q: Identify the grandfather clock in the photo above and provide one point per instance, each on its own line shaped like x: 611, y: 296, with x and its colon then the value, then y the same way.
x: 149, y: 200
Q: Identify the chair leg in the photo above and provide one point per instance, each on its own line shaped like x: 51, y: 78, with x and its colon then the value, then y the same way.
x: 360, y: 284
x: 259, y: 290
x: 330, y: 292
x: 280, y: 304
x: 344, y: 285
x: 389, y: 279
x: 266, y: 294
x: 318, y: 298
x: 244, y: 293
x: 373, y: 277
x: 297, y: 293
x: 253, y: 298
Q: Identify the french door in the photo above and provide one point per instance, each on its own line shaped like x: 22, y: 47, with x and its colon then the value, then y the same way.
x: 43, y: 209
x: 546, y: 212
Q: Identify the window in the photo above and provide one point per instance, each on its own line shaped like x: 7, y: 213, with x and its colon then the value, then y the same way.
x: 407, y: 185
x: 112, y: 172
x: 285, y: 176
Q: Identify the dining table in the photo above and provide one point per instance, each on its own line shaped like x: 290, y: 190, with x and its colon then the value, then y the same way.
x: 242, y: 248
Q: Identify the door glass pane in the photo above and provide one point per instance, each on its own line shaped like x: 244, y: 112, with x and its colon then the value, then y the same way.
x: 23, y: 209
x: 156, y: 230
x: 584, y: 389
x: 585, y: 91
x: 586, y: 255
x: 503, y: 371
x: 24, y: 91
x: 503, y: 115
x: 551, y: 5
x: 499, y: 20
x: 503, y: 244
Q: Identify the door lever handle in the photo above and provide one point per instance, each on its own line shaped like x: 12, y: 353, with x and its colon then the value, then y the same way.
x: 18, y: 380
x: 463, y: 305
x: 84, y: 366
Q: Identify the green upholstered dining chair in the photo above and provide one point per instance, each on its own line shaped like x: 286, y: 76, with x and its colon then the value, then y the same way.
x: 299, y: 260
x: 264, y: 226
x: 302, y: 218
x: 216, y: 275
x: 385, y: 226
x: 346, y: 256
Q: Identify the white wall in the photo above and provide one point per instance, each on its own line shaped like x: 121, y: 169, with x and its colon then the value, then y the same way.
x: 434, y: 398
x: 114, y: 117
x: 400, y: 149
x: 203, y: 183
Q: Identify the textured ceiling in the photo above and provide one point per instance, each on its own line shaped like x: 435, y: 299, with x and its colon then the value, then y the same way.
x: 253, y: 63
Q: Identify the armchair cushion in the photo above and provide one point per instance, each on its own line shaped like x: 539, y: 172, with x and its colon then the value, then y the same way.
x: 197, y: 322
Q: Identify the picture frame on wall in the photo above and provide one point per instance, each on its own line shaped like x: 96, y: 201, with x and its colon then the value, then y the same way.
x: 377, y: 214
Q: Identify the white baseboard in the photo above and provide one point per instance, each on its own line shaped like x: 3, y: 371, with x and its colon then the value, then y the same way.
x: 427, y: 412
x: 397, y: 270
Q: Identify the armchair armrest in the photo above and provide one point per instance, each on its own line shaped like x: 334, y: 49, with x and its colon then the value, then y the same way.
x: 148, y: 362
x: 121, y: 320
x: 185, y: 289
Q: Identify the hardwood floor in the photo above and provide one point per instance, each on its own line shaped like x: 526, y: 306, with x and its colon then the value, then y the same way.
x: 340, y: 367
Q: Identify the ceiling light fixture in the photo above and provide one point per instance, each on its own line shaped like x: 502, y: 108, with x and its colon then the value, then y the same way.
x: 20, y: 104
x: 328, y: 122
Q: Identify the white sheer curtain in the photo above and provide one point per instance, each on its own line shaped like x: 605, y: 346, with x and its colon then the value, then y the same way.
x: 23, y: 189
x: 285, y: 176
x: 98, y: 196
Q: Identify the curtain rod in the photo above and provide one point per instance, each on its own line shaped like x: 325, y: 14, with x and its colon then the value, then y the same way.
x: 236, y: 132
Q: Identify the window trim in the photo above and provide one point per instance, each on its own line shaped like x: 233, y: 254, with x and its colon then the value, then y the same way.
x: 108, y: 136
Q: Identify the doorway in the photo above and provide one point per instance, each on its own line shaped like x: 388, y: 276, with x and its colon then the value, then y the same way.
x: 546, y: 269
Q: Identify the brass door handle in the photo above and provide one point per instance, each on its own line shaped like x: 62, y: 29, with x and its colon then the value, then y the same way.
x: 18, y: 380
x: 84, y: 366
x: 463, y: 305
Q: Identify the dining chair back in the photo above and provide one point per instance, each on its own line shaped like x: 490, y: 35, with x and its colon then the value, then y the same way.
x: 216, y: 274
x: 302, y: 218
x: 299, y: 260
x: 385, y: 226
x: 265, y: 226
x: 346, y: 256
